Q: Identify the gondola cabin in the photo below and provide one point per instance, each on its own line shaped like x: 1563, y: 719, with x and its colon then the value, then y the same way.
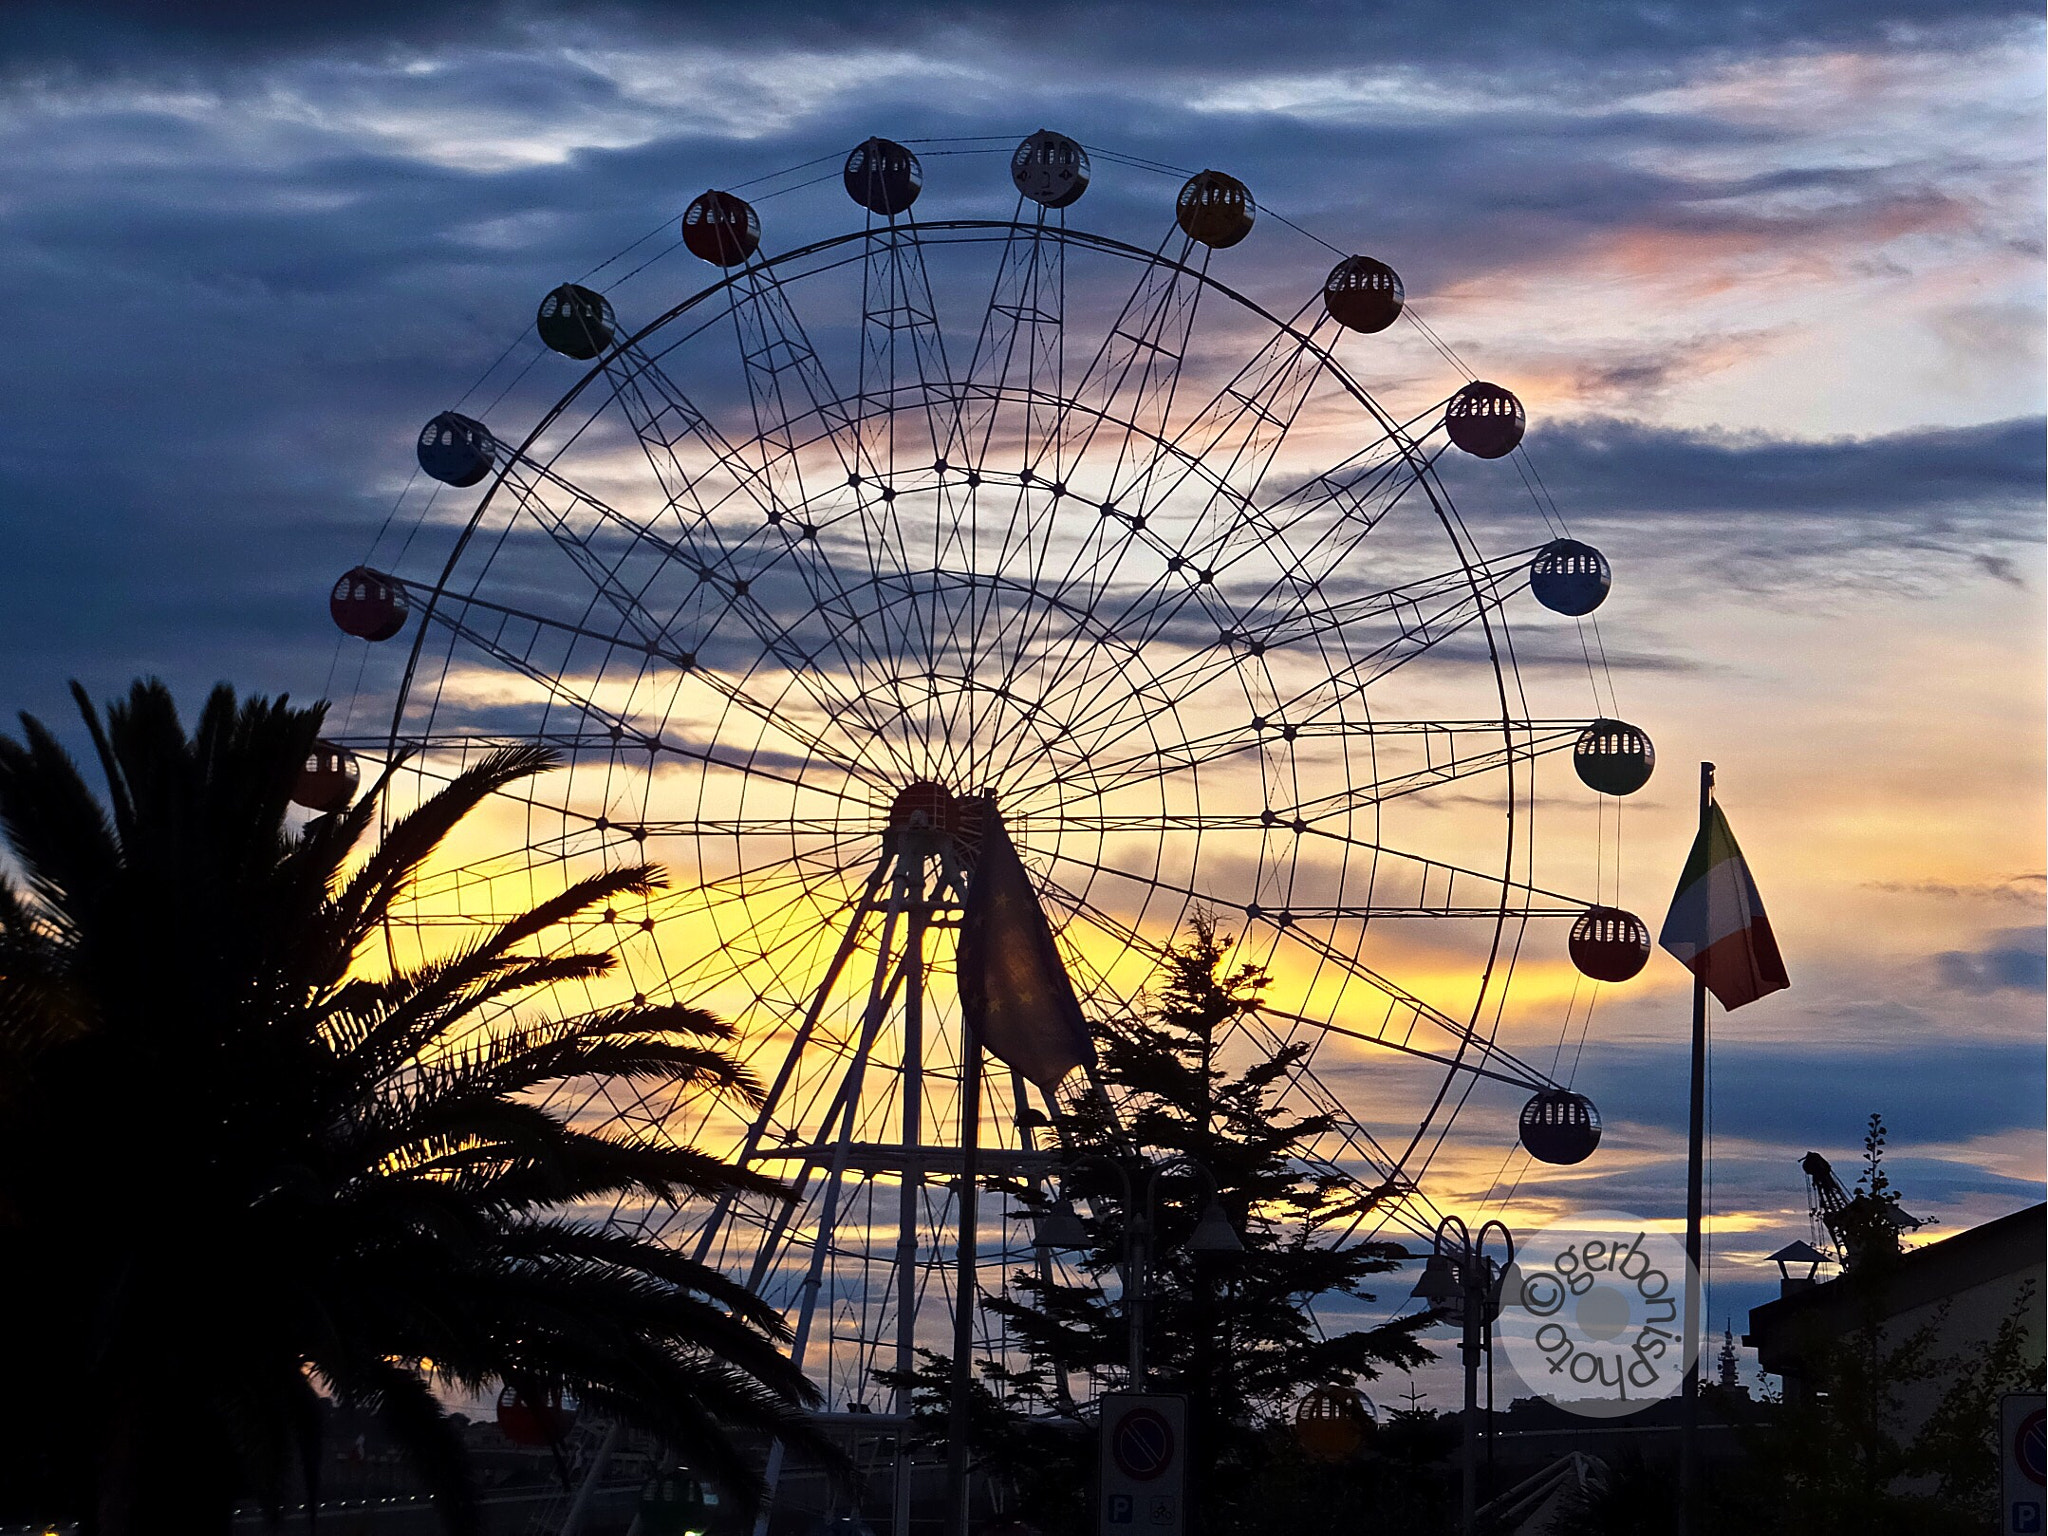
x: 576, y: 322
x: 328, y: 779
x: 525, y: 1423
x: 883, y: 177
x: 1362, y: 294
x: 676, y: 1503
x: 1215, y: 210
x: 367, y: 604
x: 721, y: 229
x: 457, y: 450
x: 1609, y: 944
x: 1569, y: 577
x: 1485, y: 420
x: 1332, y: 1423
x: 1560, y: 1127
x: 1612, y: 757
x: 1050, y: 169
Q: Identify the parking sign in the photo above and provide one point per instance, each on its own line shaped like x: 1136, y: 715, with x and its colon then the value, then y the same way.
x: 2023, y: 1474
x: 1144, y: 1465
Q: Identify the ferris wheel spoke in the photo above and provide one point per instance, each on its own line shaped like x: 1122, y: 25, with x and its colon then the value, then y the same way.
x: 1285, y: 915
x: 1192, y: 571
x: 590, y: 834
x: 1233, y: 436
x: 1395, y: 1196
x: 746, y: 764
x: 1014, y: 637
x: 519, y: 659
x: 775, y: 962
x: 1415, y: 633
x: 797, y: 524
x: 900, y: 339
x: 1445, y: 759
x: 1019, y: 357
x: 1404, y: 1015
x: 1333, y: 513
x: 1136, y: 368
x: 724, y: 575
x: 1438, y: 884
x: 1224, y: 450
x: 1336, y: 508
x: 1390, y: 1191
x: 665, y: 420
x: 1423, y: 613
x: 1484, y: 1059
x: 1019, y: 352
x: 1131, y: 380
x: 427, y: 747
x: 526, y: 480
x: 786, y: 385
x: 727, y: 586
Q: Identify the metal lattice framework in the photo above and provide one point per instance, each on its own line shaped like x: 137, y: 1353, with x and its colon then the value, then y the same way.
x: 985, y: 508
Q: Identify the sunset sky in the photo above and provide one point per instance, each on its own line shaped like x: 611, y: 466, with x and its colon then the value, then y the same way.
x: 1768, y: 279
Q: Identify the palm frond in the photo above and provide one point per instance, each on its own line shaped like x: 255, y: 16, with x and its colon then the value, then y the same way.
x: 366, y: 898
x: 517, y: 1062
x: 60, y: 838
x: 178, y: 999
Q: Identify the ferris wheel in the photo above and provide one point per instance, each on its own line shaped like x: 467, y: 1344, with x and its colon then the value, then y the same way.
x: 811, y: 570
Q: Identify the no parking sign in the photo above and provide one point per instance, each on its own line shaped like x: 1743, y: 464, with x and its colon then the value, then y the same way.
x: 1144, y: 1465
x: 2023, y: 1451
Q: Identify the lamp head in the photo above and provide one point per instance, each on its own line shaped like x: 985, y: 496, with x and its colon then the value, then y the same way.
x: 1213, y: 1232
x: 1060, y: 1227
x: 1439, y: 1285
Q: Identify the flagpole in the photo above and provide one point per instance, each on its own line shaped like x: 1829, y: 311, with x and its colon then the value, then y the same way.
x: 959, y: 1517
x: 1695, y: 1167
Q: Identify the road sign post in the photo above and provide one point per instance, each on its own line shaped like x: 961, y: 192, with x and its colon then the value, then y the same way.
x: 2023, y: 1469
x: 1144, y: 1474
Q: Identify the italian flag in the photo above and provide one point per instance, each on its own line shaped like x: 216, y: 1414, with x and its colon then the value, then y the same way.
x: 1716, y: 926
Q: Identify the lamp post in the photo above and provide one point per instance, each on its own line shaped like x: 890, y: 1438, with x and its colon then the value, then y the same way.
x: 1062, y: 1227
x: 1463, y: 1282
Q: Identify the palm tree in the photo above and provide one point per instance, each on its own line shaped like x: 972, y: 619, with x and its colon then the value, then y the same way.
x: 246, y: 1170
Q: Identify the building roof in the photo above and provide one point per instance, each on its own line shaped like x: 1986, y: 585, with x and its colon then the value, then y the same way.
x: 2006, y: 1246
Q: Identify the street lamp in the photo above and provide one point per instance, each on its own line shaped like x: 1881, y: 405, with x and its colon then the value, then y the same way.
x: 1213, y: 1235
x: 1462, y: 1283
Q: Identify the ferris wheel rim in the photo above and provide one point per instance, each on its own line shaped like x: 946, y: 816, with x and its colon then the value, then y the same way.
x: 987, y: 230
x: 1422, y: 468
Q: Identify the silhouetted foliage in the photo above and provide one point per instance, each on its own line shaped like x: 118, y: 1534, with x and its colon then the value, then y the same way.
x: 244, y: 1163
x: 1891, y: 1433
x: 1237, y: 1334
x: 1871, y: 1223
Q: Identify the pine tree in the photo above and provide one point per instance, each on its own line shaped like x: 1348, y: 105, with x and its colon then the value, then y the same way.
x: 1238, y: 1334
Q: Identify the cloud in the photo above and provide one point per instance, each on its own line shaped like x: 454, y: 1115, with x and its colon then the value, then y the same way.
x: 1936, y: 476
x: 1918, y: 511
x: 2016, y: 959
x: 1999, y: 568
x: 1941, y: 1089
x: 111, y: 33
x: 2027, y: 890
